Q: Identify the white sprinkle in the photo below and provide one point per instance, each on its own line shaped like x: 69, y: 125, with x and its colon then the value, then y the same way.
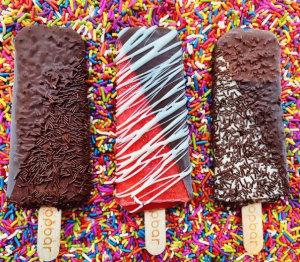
x: 92, y: 11
x: 274, y: 22
x: 267, y: 19
x: 110, y: 133
x: 185, y: 228
x: 99, y: 26
x: 110, y: 182
x: 3, y: 26
x: 189, y: 83
x: 206, y: 28
x: 297, y: 83
x: 204, y: 242
x: 86, y: 257
x: 189, y: 48
x: 3, y: 236
x: 192, y: 99
x: 199, y: 65
x: 198, y: 76
x: 113, y: 239
x: 69, y: 255
x: 271, y: 232
x: 240, y: 257
x: 221, y: 25
x: 14, y: 234
x: 195, y: 36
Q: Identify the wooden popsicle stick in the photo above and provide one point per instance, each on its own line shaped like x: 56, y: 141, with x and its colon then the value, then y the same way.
x: 252, y: 228
x: 155, y: 231
x: 49, y: 225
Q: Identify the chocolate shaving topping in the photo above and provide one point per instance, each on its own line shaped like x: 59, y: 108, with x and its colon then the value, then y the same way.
x: 248, y: 133
x: 50, y: 152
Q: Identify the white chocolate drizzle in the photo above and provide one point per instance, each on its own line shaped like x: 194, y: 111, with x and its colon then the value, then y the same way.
x: 143, y: 91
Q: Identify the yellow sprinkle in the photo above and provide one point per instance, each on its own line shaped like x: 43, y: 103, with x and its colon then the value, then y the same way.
x: 237, y: 236
x: 186, y: 14
x: 77, y: 11
x: 290, y: 141
x: 2, y: 61
x: 209, y: 233
x: 88, y: 228
x: 104, y: 19
x: 3, y: 79
x: 195, y: 249
x: 289, y: 110
x: 110, y: 172
x: 295, y: 150
x: 288, y: 233
x: 199, y: 218
x: 100, y: 137
x: 103, y: 60
x: 13, y: 223
x: 30, y: 253
x: 166, y: 256
x: 94, y: 36
x: 72, y: 5
x: 89, y: 25
x: 204, y: 15
x: 295, y: 228
x: 97, y: 258
x: 21, y: 10
x: 2, y: 102
x: 228, y: 27
x: 287, y: 35
x: 38, y: 8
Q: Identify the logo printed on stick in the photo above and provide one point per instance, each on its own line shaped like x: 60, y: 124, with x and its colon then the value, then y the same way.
x: 252, y: 228
x: 252, y: 225
x: 155, y: 231
x: 155, y: 225
x: 48, y: 229
x: 49, y: 233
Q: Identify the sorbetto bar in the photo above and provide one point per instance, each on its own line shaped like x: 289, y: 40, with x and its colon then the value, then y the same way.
x: 153, y: 164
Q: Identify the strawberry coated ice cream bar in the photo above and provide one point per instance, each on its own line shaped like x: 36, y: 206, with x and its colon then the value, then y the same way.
x: 153, y: 162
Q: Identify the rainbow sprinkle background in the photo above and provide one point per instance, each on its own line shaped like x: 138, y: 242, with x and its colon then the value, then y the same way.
x: 202, y: 230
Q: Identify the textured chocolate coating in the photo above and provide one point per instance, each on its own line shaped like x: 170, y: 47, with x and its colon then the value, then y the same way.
x: 49, y: 159
x: 248, y: 133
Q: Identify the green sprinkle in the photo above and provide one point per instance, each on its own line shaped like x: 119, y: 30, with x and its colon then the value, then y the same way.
x: 23, y: 17
x: 207, y: 93
x: 7, y: 35
x: 194, y: 141
x: 210, y: 254
x: 56, y: 21
x: 150, y: 16
x: 102, y: 93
